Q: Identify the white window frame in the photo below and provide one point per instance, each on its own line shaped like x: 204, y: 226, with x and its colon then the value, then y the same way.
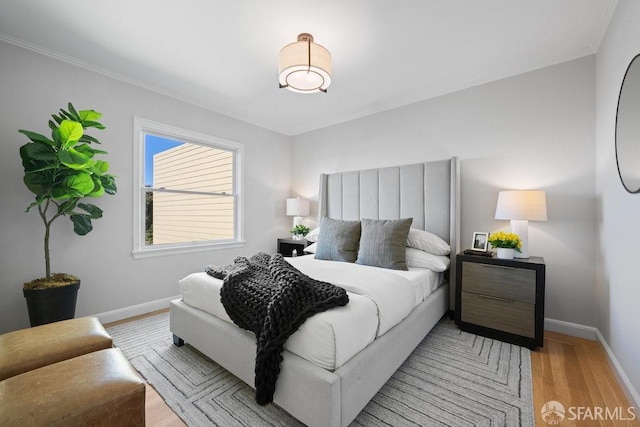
x: 142, y: 127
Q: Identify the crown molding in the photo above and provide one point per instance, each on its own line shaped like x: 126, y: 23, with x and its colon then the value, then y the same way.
x: 604, y: 24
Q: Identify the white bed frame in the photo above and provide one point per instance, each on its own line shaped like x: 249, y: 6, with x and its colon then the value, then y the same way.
x: 427, y: 192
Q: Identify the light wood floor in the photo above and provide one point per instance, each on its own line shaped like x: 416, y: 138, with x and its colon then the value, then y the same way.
x: 576, y: 373
x: 570, y: 370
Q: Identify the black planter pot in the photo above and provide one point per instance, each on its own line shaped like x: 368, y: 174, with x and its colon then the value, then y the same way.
x: 51, y: 305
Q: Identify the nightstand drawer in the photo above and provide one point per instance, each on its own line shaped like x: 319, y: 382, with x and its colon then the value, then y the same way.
x: 504, y: 315
x: 518, y: 284
x: 287, y: 246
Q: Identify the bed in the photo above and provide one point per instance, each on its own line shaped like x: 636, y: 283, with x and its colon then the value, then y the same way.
x: 325, y: 389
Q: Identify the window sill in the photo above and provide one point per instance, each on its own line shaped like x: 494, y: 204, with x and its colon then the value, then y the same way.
x: 177, y: 250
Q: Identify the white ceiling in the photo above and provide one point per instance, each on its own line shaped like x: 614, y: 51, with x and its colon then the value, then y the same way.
x: 223, y: 55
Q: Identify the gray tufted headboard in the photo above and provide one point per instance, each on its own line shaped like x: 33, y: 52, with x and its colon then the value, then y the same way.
x: 427, y: 192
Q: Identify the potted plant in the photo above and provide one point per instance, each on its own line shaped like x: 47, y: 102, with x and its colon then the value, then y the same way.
x: 61, y: 171
x: 299, y: 231
x: 505, y: 243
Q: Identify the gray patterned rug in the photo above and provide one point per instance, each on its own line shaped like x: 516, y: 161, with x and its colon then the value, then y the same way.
x: 452, y: 379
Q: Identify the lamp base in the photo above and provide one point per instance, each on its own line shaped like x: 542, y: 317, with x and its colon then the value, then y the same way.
x: 521, y: 228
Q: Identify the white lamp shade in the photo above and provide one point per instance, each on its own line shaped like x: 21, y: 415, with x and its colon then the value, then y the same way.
x: 297, y: 207
x: 304, y: 66
x: 530, y: 205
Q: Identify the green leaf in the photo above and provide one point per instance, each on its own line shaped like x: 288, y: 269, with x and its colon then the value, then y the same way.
x: 55, y: 134
x: 81, y: 224
x: 73, y: 112
x: 89, y: 139
x: 66, y: 115
x: 58, y: 119
x: 81, y: 182
x: 61, y: 192
x: 89, y: 115
x: 89, y: 150
x: 92, y: 124
x: 70, y: 133
x: 39, y: 184
x: 98, y: 189
x: 85, y: 149
x: 38, y: 151
x: 37, y: 156
x: 36, y: 137
x: 68, y: 206
x: 109, y: 184
x: 75, y: 160
x: 100, y: 167
x: 34, y: 204
x: 93, y: 211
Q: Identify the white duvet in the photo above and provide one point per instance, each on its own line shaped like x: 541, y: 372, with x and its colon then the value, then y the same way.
x: 378, y: 300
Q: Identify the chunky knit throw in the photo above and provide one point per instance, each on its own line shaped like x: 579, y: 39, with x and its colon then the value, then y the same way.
x: 268, y: 296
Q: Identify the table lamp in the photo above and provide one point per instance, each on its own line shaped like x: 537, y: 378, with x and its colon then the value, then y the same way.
x: 520, y: 207
x: 297, y: 208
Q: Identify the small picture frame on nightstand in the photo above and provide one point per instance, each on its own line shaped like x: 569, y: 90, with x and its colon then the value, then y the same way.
x: 480, y: 241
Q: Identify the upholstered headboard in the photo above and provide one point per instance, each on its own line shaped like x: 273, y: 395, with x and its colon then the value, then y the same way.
x: 427, y: 192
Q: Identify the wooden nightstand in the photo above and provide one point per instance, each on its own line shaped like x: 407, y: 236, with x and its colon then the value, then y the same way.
x: 501, y: 299
x: 286, y: 246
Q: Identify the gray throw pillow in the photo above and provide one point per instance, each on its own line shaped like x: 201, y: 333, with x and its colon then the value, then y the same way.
x: 338, y: 240
x: 383, y: 243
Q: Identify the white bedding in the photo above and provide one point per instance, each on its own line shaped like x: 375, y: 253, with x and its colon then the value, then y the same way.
x: 378, y: 300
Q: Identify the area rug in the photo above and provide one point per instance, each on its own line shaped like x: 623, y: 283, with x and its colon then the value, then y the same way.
x: 452, y: 378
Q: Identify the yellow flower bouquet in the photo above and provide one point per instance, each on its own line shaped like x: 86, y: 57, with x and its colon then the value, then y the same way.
x: 501, y: 239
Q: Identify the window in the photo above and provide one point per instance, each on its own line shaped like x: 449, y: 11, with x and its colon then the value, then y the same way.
x: 187, y: 190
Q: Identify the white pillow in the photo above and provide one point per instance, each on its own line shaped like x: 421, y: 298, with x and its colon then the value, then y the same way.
x: 311, y: 248
x: 313, y: 235
x: 428, y: 242
x: 422, y: 259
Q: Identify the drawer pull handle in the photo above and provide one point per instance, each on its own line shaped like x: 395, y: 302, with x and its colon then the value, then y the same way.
x: 498, y: 266
x: 495, y: 298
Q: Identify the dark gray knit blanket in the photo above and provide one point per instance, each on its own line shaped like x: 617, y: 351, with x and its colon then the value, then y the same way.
x: 268, y: 296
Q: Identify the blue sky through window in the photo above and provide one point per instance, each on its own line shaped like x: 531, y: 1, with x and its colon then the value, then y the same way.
x: 153, y: 145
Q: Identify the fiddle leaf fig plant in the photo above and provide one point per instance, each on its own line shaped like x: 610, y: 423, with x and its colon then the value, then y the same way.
x: 63, y: 170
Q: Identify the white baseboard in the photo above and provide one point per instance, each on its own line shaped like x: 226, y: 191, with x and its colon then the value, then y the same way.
x: 629, y: 389
x: 591, y: 333
x: 573, y: 329
x: 135, y: 310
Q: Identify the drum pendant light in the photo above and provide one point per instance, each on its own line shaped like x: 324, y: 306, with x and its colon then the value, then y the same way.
x: 305, y: 67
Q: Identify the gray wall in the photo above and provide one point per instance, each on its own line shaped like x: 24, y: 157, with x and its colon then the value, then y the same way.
x: 31, y: 88
x: 533, y: 131
x: 618, y: 282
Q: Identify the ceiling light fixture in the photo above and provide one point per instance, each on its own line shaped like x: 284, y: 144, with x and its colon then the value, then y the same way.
x: 305, y: 67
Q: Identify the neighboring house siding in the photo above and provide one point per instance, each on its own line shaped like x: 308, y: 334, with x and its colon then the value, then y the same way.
x: 179, y: 217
